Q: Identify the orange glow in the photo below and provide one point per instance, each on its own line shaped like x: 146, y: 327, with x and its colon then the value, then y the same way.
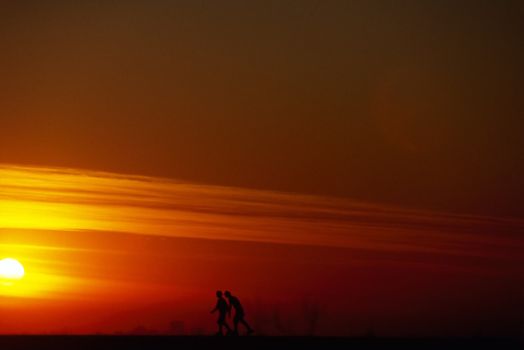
x: 152, y: 249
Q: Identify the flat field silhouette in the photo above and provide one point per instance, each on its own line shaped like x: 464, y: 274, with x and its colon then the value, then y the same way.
x: 252, y: 342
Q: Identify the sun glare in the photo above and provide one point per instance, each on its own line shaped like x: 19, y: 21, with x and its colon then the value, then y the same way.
x: 11, y: 269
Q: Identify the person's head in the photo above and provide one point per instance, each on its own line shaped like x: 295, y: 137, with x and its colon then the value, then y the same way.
x: 219, y: 294
x: 227, y: 294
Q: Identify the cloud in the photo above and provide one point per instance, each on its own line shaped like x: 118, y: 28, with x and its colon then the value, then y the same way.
x: 73, y: 199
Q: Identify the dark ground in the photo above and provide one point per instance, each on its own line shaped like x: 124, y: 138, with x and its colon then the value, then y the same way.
x: 230, y: 343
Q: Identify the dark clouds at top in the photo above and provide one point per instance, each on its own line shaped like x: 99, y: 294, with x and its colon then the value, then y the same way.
x: 418, y: 103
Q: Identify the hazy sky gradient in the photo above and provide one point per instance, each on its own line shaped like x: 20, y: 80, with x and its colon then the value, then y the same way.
x: 362, y: 157
x: 415, y: 103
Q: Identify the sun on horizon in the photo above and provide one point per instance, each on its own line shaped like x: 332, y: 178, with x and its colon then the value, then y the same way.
x: 11, y: 270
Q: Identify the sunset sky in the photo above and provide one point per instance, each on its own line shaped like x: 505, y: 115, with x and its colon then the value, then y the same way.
x: 362, y: 159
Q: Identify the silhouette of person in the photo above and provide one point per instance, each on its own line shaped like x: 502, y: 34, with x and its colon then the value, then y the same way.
x: 234, y: 303
x: 222, y: 309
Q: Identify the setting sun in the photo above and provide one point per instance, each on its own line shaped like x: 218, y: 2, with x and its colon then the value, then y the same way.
x: 11, y: 269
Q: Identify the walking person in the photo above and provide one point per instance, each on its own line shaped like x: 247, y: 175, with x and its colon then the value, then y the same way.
x: 222, y: 309
x: 234, y: 303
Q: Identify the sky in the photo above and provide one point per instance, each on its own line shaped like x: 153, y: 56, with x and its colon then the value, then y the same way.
x: 107, y: 253
x: 370, y: 149
x: 417, y: 103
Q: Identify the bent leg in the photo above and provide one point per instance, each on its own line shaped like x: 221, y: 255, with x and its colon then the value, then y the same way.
x: 248, y: 327
x: 235, y: 323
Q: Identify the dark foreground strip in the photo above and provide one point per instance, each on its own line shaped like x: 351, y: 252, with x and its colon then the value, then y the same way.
x: 248, y: 343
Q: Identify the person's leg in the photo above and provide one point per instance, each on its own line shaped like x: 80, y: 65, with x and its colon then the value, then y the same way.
x: 227, y: 327
x: 221, y: 323
x: 235, y: 323
x: 248, y: 327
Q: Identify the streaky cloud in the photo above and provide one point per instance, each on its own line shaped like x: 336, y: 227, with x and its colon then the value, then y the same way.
x: 73, y: 199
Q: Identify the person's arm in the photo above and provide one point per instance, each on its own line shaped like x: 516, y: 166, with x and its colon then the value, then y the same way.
x: 215, y: 309
x: 229, y: 310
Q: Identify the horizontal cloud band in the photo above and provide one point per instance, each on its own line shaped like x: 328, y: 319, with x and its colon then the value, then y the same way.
x: 72, y: 199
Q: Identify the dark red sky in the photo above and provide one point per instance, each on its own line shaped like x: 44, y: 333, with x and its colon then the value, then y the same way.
x: 417, y: 103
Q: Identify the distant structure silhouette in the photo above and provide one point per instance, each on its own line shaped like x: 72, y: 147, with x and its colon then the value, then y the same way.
x: 222, y: 309
x: 234, y: 303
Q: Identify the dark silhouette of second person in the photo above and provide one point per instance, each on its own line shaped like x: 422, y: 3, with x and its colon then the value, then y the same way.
x: 222, y: 309
x: 234, y: 303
